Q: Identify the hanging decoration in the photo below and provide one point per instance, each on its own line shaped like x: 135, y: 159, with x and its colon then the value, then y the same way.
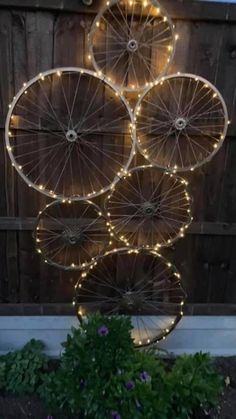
x: 132, y: 42
x: 138, y: 283
x: 68, y: 134
x: 70, y: 235
x: 149, y: 208
x: 71, y: 135
x: 181, y: 122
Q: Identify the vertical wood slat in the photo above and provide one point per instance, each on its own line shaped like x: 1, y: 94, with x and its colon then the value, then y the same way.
x: 6, y: 92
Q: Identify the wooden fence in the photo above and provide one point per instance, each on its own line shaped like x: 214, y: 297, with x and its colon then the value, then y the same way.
x: 36, y: 35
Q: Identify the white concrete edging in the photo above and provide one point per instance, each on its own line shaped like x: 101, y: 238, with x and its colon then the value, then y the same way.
x: 213, y: 334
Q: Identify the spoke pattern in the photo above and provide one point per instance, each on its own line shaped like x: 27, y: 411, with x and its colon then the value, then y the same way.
x: 132, y: 42
x: 138, y: 283
x: 149, y: 208
x: 68, y: 134
x: 181, y: 122
x: 71, y: 235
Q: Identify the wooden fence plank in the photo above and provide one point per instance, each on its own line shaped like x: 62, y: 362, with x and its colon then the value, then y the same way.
x: 180, y: 9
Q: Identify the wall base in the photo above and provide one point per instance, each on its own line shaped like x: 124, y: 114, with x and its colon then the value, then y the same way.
x: 213, y: 334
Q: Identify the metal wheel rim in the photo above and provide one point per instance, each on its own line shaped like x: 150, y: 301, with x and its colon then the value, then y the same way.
x: 93, y: 29
x: 9, y: 146
x: 183, y: 227
x: 220, y: 142
x: 84, y: 278
x: 73, y: 266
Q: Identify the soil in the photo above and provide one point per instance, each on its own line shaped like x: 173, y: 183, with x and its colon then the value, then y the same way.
x: 31, y: 407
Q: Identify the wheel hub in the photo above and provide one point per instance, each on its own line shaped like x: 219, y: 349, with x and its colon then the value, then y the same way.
x: 71, y: 135
x: 180, y: 123
x: 131, y: 301
x: 149, y: 209
x: 132, y: 45
x: 73, y: 236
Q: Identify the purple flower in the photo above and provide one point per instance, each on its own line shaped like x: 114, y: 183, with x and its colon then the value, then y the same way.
x: 130, y: 385
x: 103, y: 331
x: 49, y: 417
x: 144, y: 376
x: 115, y: 415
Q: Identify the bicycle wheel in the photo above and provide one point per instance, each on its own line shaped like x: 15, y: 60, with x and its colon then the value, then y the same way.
x: 71, y: 235
x: 138, y: 283
x: 149, y: 208
x: 181, y: 122
x: 68, y: 134
x: 132, y: 42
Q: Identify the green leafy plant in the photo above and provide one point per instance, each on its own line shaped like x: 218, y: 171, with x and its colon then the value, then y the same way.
x: 102, y: 376
x: 23, y: 368
x: 194, y: 382
x: 2, y: 373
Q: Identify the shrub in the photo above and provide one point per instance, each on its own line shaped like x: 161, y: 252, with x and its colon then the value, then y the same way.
x: 102, y: 376
x: 2, y: 374
x: 194, y: 382
x: 22, y: 369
